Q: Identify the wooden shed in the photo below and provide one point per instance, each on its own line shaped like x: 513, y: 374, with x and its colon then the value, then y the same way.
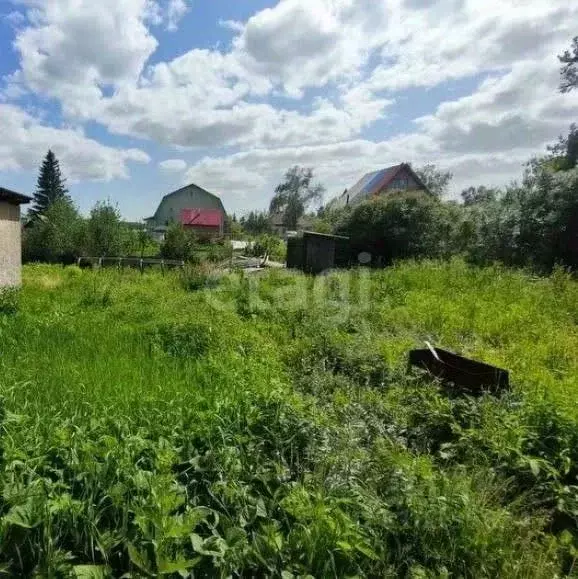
x: 10, y: 237
x: 317, y: 252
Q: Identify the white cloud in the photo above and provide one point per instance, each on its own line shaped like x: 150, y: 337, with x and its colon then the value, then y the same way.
x: 309, y: 43
x: 81, y: 157
x: 233, y: 25
x: 175, y: 11
x: 452, y: 39
x: 71, y: 49
x: 173, y: 165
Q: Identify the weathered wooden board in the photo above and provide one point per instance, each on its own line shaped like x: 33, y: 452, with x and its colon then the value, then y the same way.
x: 471, y: 375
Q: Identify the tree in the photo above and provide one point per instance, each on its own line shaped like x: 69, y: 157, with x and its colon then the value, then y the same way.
x: 256, y: 223
x: 233, y: 227
x: 50, y: 186
x: 481, y: 194
x: 56, y: 234
x: 398, y: 226
x: 295, y: 195
x: 436, y: 181
x: 178, y: 244
x: 105, y: 232
x: 564, y: 154
x: 569, y: 70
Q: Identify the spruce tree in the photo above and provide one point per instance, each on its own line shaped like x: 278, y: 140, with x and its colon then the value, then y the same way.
x: 50, y: 185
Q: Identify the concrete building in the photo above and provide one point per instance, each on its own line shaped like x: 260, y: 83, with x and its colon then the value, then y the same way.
x: 10, y: 237
x: 194, y: 208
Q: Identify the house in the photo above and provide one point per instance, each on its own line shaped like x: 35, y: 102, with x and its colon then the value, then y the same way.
x: 396, y: 178
x: 277, y: 223
x: 10, y: 237
x: 194, y: 208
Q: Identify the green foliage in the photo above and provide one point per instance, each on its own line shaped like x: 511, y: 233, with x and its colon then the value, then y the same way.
x: 234, y: 228
x: 106, y: 235
x: 563, y: 156
x: 50, y: 186
x: 55, y: 234
x: 435, y: 180
x: 178, y: 243
x: 9, y: 300
x: 219, y: 252
x: 269, y: 426
x: 269, y: 245
x: 532, y: 225
x: 398, y: 226
x: 256, y: 223
x: 199, y: 276
x: 294, y: 195
x: 569, y: 70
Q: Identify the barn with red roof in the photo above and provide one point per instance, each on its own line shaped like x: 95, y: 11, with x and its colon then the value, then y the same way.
x: 194, y: 208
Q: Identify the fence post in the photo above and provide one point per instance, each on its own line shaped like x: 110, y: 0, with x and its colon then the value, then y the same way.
x: 141, y: 266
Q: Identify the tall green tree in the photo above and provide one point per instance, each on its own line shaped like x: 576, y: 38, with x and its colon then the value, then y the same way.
x: 435, y: 180
x: 564, y: 154
x: 50, y: 186
x: 256, y: 223
x: 295, y: 194
x: 569, y: 70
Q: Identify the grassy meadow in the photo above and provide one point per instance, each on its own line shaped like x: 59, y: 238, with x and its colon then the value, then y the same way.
x: 268, y: 426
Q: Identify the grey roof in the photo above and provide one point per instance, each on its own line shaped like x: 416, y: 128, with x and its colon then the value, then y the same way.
x: 13, y: 197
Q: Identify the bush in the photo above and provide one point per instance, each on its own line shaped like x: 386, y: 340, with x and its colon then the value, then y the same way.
x: 219, y: 252
x: 399, y: 226
x: 199, y: 276
x: 59, y: 232
x: 9, y: 300
x: 269, y: 245
x: 178, y: 244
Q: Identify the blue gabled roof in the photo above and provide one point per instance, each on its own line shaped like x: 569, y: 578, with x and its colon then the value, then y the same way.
x: 372, y: 183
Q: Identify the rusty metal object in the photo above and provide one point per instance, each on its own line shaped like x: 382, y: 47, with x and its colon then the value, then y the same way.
x: 470, y: 375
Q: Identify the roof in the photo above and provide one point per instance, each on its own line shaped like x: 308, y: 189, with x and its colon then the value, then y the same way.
x: 323, y: 235
x: 13, y: 197
x: 372, y: 183
x: 202, y: 217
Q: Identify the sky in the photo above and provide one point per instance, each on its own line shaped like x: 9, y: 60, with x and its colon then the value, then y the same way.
x: 140, y: 97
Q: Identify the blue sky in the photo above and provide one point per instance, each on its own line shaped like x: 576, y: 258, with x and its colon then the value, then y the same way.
x: 139, y: 97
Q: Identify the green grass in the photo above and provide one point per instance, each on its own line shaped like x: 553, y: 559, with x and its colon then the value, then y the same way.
x: 268, y: 426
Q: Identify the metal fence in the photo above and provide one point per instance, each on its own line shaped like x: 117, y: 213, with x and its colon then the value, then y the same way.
x: 131, y: 262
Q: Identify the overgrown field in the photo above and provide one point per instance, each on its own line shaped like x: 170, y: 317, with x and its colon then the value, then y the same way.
x: 269, y: 426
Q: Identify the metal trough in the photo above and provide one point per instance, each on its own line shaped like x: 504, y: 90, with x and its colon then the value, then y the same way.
x: 475, y: 377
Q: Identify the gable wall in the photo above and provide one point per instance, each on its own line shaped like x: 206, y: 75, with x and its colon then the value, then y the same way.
x: 188, y: 198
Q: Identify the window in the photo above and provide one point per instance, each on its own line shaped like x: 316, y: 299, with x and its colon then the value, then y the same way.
x: 401, y: 183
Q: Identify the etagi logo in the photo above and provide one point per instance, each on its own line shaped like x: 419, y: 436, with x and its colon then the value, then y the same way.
x: 338, y: 292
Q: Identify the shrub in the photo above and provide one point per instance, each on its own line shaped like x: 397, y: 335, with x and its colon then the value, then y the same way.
x: 178, y: 244
x: 399, y: 226
x: 9, y: 300
x: 199, y: 276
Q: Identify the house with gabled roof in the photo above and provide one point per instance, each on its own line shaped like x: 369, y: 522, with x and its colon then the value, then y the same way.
x: 395, y: 178
x: 194, y: 208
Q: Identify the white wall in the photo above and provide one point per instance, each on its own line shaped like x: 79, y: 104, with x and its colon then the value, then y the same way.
x: 10, y: 245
